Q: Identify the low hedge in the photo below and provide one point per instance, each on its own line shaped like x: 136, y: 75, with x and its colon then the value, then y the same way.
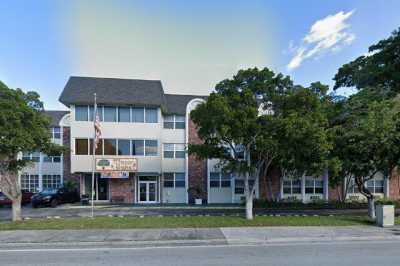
x: 298, y: 205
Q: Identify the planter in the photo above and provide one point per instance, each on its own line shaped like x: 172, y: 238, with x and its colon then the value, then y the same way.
x: 198, y: 201
x: 385, y: 215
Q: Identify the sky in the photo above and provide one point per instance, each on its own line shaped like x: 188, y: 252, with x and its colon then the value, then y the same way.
x: 189, y: 45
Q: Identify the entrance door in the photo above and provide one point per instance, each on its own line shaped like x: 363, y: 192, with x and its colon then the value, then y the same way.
x: 102, y: 188
x: 147, y: 191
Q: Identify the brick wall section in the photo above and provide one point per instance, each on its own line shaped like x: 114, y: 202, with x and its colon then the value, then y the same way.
x: 335, y: 193
x: 197, y: 168
x: 123, y: 188
x: 273, y: 178
x: 68, y: 176
x: 394, y: 185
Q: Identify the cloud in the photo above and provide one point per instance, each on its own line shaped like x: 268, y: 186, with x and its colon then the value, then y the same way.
x: 329, y: 34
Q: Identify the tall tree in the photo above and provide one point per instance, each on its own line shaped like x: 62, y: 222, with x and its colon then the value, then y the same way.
x: 23, y: 128
x: 379, y: 70
x: 366, y: 142
x: 257, y: 113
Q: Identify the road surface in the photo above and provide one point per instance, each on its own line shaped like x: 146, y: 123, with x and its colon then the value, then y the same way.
x: 327, y: 254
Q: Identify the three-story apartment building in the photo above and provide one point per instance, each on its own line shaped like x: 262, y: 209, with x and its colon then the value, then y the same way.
x: 139, y: 120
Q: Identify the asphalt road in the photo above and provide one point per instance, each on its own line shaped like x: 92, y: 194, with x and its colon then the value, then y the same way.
x: 331, y: 253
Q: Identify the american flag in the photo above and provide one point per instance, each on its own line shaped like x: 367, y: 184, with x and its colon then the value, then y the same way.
x: 97, y: 130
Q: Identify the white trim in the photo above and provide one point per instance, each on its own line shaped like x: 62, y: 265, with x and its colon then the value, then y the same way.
x: 208, y: 181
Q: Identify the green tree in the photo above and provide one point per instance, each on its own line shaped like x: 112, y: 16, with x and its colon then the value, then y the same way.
x: 379, y: 70
x: 252, y: 121
x: 23, y: 128
x: 366, y: 142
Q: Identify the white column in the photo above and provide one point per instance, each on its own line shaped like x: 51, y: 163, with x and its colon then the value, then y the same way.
x: 233, y: 188
x: 303, y: 188
x: 281, y: 189
x: 386, y: 188
x: 208, y: 181
x: 40, y: 171
x: 326, y: 186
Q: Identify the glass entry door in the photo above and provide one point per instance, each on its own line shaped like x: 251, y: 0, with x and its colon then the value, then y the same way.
x: 147, y: 191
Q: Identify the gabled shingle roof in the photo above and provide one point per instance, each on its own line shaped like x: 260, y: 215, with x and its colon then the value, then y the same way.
x: 55, y: 116
x: 113, y: 91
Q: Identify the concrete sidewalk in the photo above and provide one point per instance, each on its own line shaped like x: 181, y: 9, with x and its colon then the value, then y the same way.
x: 193, y: 236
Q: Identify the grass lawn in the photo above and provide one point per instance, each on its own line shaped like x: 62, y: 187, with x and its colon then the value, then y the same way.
x: 182, y: 222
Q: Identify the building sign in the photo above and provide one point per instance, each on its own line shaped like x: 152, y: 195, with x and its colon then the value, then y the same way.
x: 116, y: 167
x: 114, y: 174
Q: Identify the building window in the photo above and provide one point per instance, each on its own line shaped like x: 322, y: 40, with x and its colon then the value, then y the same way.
x: 30, y: 182
x: 124, y: 147
x: 138, y: 147
x: 174, y: 150
x: 314, y: 186
x: 225, y: 180
x: 169, y: 122
x: 52, y: 159
x: 239, y: 186
x: 124, y: 114
x: 26, y: 156
x: 110, y: 114
x: 375, y: 185
x: 214, y: 179
x: 51, y: 181
x: 81, y: 113
x: 151, y: 115
x: 168, y: 179
x: 353, y: 188
x: 81, y: 146
x: 110, y: 146
x: 151, y: 148
x: 138, y: 115
x: 218, y: 179
x: 56, y: 133
x: 174, y: 180
x: 33, y: 157
x: 174, y: 122
x: 168, y: 150
x: 179, y: 122
x: 179, y: 179
x: 292, y: 186
x: 99, y: 112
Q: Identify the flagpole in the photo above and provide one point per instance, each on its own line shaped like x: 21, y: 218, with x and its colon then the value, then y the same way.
x: 94, y: 150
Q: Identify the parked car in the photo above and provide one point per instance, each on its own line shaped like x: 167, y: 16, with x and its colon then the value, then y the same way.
x: 54, y: 196
x: 26, y: 198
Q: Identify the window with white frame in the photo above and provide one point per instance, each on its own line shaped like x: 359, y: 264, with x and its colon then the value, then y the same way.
x: 51, y: 181
x: 376, y: 185
x: 314, y: 186
x: 55, y: 132
x: 33, y: 157
x: 30, y: 182
x: 51, y: 159
x: 218, y: 179
x: 99, y: 112
x: 122, y: 114
x: 292, y: 186
x: 239, y: 185
x: 81, y: 113
x: 174, y: 180
x: 174, y: 150
x: 174, y: 122
x: 151, y: 115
